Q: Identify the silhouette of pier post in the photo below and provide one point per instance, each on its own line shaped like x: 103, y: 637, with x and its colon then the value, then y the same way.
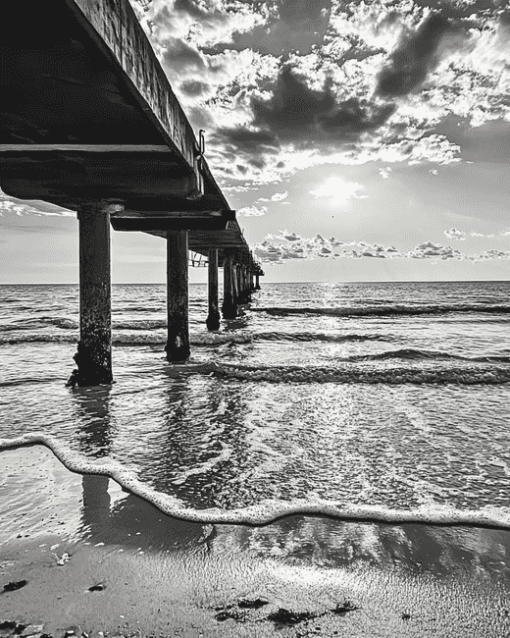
x: 229, y: 307
x: 94, y: 356
x: 213, y: 318
x: 177, y: 347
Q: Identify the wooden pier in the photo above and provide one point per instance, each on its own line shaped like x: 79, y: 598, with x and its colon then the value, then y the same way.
x: 90, y: 123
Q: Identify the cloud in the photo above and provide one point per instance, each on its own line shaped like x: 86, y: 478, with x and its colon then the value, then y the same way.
x: 283, y: 85
x: 428, y: 250
x: 252, y: 211
x: 287, y: 246
x: 289, y: 26
x: 276, y: 197
x: 454, y: 233
x: 295, y: 112
x: 385, y: 172
x: 12, y: 206
x: 279, y: 197
x: 338, y: 191
x: 415, y: 57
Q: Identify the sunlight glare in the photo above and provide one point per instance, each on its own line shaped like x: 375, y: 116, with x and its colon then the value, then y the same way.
x: 339, y: 191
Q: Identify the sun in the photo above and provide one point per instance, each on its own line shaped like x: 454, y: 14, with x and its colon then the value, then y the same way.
x: 339, y: 191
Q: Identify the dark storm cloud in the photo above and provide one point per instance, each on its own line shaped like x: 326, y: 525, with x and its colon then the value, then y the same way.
x: 415, y: 57
x: 299, y: 114
x: 248, y: 139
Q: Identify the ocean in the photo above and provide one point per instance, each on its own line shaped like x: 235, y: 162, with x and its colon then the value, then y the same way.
x: 363, y: 401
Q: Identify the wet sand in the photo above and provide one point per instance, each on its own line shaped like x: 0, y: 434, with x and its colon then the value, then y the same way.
x: 98, y: 559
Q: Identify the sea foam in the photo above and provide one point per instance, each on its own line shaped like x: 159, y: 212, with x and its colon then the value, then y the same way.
x: 267, y: 511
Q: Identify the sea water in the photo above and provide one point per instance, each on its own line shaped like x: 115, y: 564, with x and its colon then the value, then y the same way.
x: 371, y: 401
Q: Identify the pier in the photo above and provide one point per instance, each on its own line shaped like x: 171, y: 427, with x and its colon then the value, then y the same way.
x: 90, y: 123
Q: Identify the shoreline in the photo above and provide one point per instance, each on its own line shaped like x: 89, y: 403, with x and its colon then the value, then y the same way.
x: 65, y: 533
x: 268, y: 512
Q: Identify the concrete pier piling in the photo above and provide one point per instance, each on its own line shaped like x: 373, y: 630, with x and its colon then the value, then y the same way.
x: 213, y: 318
x: 229, y: 307
x: 244, y: 290
x: 177, y: 347
x: 94, y: 356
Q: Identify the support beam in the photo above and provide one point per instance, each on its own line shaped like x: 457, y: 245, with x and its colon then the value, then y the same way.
x: 229, y: 307
x: 257, y: 282
x: 84, y: 148
x: 94, y: 356
x: 177, y: 347
x: 192, y: 220
x: 213, y: 319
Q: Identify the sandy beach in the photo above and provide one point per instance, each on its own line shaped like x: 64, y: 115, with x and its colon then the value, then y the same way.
x: 98, y: 559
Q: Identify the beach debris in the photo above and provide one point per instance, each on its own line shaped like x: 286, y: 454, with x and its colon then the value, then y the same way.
x: 14, y: 585
x: 225, y: 615
x: 72, y: 631
x: 344, y: 608
x: 252, y: 603
x: 32, y: 631
x: 65, y: 558
x: 226, y: 612
x: 405, y: 616
x: 97, y: 587
x: 7, y: 628
x: 286, y: 617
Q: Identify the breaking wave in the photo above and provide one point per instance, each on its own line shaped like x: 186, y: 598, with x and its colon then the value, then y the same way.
x: 349, y: 373
x: 268, y: 510
x: 416, y: 354
x: 204, y: 339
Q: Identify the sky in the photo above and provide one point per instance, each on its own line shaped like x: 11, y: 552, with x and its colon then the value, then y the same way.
x: 358, y: 141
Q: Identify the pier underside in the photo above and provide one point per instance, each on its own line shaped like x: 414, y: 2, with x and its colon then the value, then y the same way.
x: 90, y: 123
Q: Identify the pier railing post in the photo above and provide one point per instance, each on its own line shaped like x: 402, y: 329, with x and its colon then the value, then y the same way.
x: 177, y: 347
x: 229, y: 307
x: 94, y: 356
x: 213, y: 319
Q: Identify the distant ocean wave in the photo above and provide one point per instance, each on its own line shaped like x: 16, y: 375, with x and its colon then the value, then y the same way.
x: 386, y: 310
x: 38, y: 323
